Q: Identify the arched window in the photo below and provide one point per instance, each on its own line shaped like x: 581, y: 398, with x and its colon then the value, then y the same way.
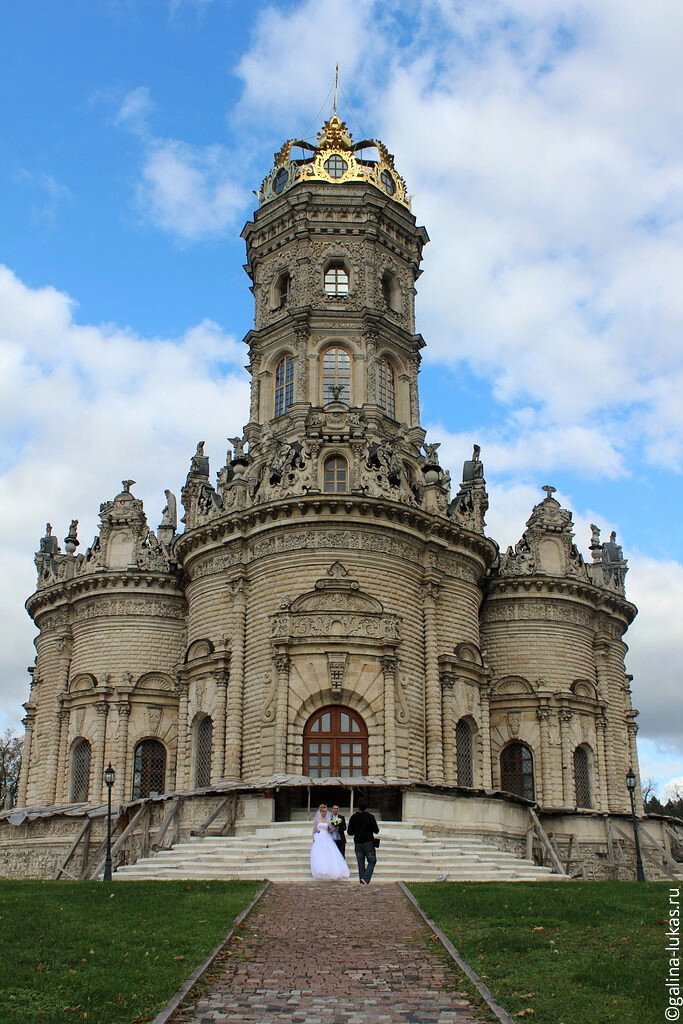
x: 149, y: 769
x: 283, y: 286
x: 336, y: 375
x: 336, y: 278
x: 80, y: 771
x: 582, y: 778
x: 335, y: 743
x: 202, y: 752
x: 517, y: 770
x: 463, y: 753
x: 335, y: 475
x: 284, y: 385
x: 391, y: 293
x: 386, y: 387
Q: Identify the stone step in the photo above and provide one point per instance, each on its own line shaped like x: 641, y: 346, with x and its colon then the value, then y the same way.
x: 281, y: 853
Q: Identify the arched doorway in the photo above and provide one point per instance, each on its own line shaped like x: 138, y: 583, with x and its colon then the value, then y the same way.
x: 335, y: 743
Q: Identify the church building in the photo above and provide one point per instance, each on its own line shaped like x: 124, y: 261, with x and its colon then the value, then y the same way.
x: 326, y: 611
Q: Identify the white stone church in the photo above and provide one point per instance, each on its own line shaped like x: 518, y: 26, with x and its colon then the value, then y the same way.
x: 331, y: 617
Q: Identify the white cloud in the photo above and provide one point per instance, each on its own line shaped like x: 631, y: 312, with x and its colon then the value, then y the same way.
x: 52, y: 196
x: 82, y: 408
x: 189, y: 191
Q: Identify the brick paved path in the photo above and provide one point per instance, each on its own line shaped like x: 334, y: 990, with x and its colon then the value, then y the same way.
x: 304, y: 942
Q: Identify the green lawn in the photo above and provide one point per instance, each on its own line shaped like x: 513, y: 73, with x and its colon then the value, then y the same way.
x: 107, y: 954
x: 565, y: 953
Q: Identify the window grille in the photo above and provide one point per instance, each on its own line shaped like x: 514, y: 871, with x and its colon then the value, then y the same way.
x: 336, y: 375
x: 203, y: 745
x: 336, y: 279
x: 463, y: 753
x: 386, y: 391
x: 149, y: 769
x: 582, y: 778
x: 336, y: 475
x: 284, y: 385
x: 517, y: 770
x: 80, y: 771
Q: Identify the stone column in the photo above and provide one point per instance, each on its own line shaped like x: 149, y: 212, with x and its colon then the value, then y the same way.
x: 544, y: 780
x: 61, y: 773
x: 281, y: 662
x: 413, y: 392
x: 218, y: 766
x: 182, y: 688
x: 389, y: 666
x: 633, y: 757
x: 565, y: 715
x: 233, y: 737
x: 600, y: 776
x: 96, y: 790
x: 449, y: 752
x: 26, y: 758
x: 123, y: 709
x: 486, y: 777
x: 302, y: 335
x: 433, y: 717
x: 53, y: 762
x: 370, y: 335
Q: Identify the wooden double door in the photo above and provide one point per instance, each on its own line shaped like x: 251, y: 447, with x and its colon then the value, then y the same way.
x: 335, y: 744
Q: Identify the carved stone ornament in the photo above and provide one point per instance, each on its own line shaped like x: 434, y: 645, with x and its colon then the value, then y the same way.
x: 514, y: 722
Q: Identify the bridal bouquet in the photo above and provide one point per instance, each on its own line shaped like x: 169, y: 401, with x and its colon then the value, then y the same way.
x: 336, y: 820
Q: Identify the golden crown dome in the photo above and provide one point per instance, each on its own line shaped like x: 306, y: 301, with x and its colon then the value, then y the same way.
x: 336, y: 158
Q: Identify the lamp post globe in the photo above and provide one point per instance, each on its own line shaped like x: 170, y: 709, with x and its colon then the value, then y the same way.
x: 109, y: 779
x: 631, y: 786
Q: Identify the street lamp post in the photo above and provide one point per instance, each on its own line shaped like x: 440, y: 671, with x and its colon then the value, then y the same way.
x: 631, y: 784
x: 109, y: 779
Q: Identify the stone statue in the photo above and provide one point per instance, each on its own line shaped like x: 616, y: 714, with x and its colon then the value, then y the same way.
x: 595, y: 536
x: 238, y: 446
x: 71, y: 540
x: 169, y: 515
x: 199, y: 465
x: 127, y: 484
x: 430, y: 452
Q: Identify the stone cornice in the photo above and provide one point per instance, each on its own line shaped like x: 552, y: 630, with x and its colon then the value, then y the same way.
x: 561, y: 589
x: 108, y: 580
x: 315, y: 510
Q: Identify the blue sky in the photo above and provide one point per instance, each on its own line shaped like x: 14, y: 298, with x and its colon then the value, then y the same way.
x: 542, y: 143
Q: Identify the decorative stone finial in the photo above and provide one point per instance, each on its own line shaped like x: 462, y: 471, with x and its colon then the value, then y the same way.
x: 127, y: 484
x: 549, y: 490
x: 71, y: 540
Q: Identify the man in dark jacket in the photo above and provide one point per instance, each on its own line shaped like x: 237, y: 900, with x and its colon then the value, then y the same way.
x: 363, y: 827
x: 338, y: 831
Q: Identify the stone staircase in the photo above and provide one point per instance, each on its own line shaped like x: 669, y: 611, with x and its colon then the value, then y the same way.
x: 281, y: 852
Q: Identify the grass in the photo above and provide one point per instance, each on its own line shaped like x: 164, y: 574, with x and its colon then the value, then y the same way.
x: 106, y: 954
x: 560, y: 953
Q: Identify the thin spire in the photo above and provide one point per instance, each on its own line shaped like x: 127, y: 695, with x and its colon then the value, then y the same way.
x: 336, y: 88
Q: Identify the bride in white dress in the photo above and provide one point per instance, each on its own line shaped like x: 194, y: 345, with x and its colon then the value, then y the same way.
x: 326, y: 860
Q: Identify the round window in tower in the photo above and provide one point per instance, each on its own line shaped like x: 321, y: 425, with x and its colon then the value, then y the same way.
x: 336, y: 167
x: 281, y: 179
x: 387, y: 183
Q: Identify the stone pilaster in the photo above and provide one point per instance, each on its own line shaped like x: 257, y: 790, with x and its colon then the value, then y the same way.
x: 96, y: 788
x: 565, y: 715
x: 183, y: 744
x: 449, y: 751
x: 632, y: 728
x: 600, y: 774
x: 122, y: 760
x: 434, y: 741
x: 389, y: 666
x: 218, y: 766
x: 233, y: 737
x: 61, y: 773
x: 544, y: 778
x: 22, y: 788
x: 302, y: 335
x: 486, y: 767
x: 281, y: 661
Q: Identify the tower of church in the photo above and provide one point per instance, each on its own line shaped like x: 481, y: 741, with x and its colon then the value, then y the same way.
x: 333, y: 608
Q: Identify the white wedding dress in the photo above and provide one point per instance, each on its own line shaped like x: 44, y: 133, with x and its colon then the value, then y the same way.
x: 326, y: 860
